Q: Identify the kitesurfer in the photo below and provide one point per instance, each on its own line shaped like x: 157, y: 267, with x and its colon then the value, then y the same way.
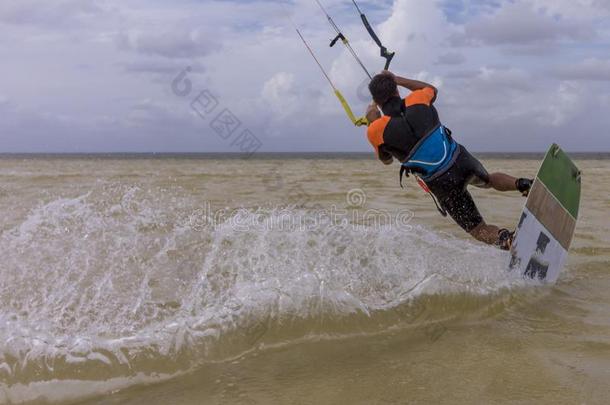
x: 409, y: 130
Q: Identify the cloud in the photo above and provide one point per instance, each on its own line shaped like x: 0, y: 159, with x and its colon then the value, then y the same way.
x: 414, y: 29
x: 161, y: 67
x: 492, y: 94
x: 463, y: 10
x: 5, y: 103
x: 48, y: 13
x: 578, y: 10
x: 508, y: 86
x: 488, y: 114
x: 149, y: 112
x: 25, y: 129
x: 280, y: 94
x: 590, y: 69
x: 451, y: 58
x: 565, y: 104
x: 169, y: 44
x: 520, y: 23
x: 501, y: 95
x: 462, y: 74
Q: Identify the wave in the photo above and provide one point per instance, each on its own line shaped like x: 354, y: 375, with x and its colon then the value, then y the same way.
x: 126, y: 285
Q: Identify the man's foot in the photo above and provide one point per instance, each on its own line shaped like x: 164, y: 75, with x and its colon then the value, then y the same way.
x: 524, y: 185
x: 505, y: 239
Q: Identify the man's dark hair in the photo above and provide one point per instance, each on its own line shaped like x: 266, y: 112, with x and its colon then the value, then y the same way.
x: 382, y: 87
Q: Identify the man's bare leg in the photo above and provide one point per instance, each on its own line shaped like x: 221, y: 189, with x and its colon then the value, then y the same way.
x: 492, y: 235
x: 485, y: 233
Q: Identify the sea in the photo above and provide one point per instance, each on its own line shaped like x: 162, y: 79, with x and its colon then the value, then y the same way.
x: 285, y: 279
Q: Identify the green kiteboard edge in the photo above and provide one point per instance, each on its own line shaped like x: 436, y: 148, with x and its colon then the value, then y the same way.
x: 553, y: 174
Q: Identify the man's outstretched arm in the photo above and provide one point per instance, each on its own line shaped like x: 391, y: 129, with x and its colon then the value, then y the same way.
x: 414, y: 85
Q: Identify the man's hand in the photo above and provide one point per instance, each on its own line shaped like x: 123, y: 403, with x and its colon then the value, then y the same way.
x: 372, y: 113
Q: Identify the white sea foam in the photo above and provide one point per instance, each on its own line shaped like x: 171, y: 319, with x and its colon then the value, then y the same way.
x: 107, y: 287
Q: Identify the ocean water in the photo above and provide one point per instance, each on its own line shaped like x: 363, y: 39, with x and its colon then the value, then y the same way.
x: 284, y: 280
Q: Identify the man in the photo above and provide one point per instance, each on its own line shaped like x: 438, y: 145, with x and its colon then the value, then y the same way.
x: 410, y: 131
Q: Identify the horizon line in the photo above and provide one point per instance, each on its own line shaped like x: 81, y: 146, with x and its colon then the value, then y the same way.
x: 258, y: 152
x: 262, y: 154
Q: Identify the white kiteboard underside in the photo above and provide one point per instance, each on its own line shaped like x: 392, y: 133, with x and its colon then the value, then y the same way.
x: 546, y: 227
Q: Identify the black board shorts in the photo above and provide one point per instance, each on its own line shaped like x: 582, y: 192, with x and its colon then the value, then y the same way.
x: 451, y: 193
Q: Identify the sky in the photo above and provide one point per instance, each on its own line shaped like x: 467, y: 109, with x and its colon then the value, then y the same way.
x: 83, y: 76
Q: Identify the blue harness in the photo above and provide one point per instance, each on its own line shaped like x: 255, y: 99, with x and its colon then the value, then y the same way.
x: 433, y: 155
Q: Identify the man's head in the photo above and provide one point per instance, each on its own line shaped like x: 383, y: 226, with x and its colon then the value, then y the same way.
x: 382, y: 88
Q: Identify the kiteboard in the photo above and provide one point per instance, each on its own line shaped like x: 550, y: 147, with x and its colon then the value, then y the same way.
x: 546, y: 227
